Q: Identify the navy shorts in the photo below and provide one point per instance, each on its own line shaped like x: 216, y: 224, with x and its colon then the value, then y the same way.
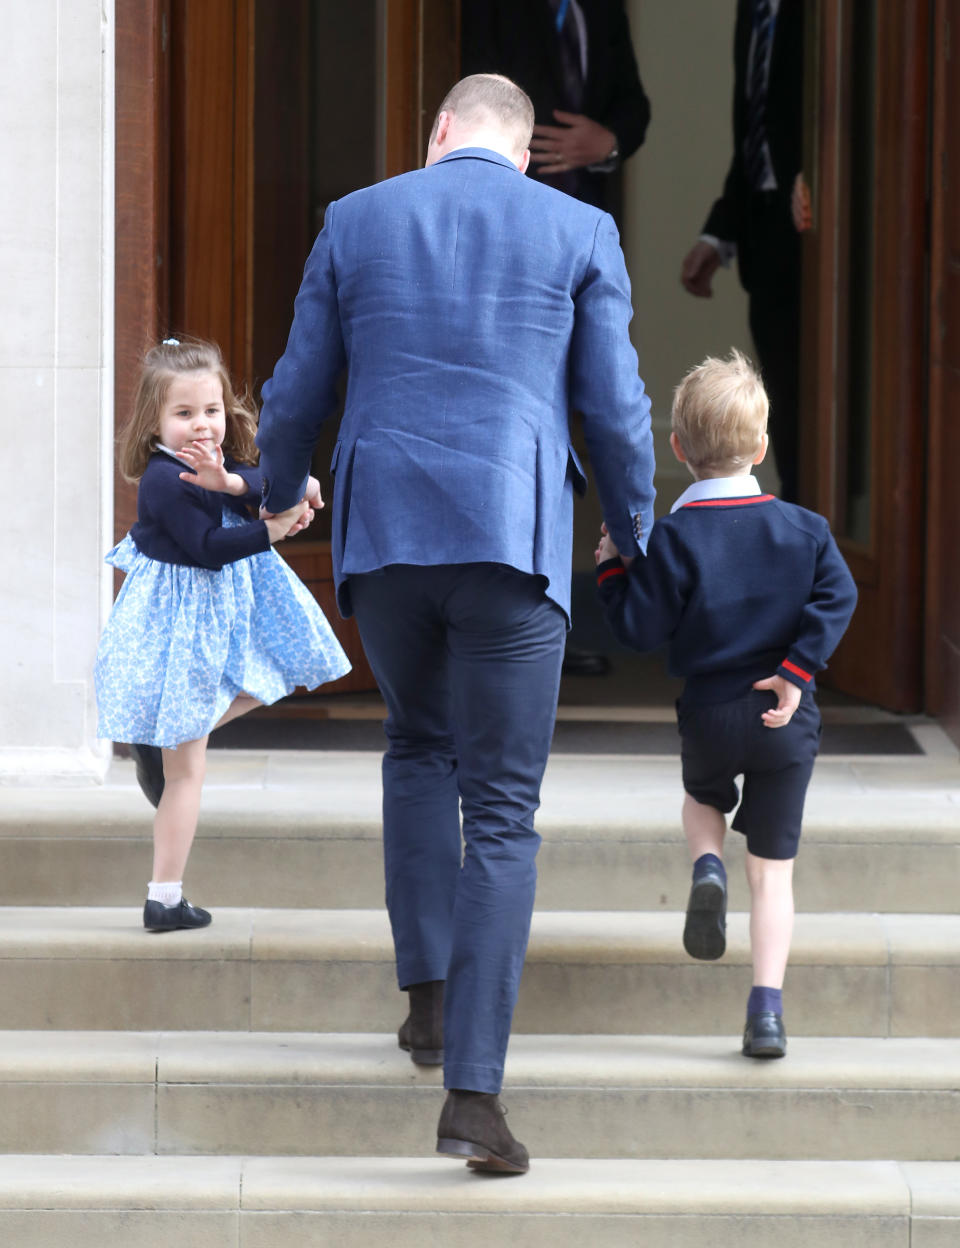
x: 729, y: 739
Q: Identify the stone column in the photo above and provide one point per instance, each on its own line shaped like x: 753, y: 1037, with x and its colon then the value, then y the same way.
x: 56, y: 369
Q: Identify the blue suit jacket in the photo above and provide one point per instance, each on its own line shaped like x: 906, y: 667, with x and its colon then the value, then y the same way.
x: 473, y: 307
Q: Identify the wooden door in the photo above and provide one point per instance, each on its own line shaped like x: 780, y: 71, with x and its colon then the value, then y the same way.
x: 943, y: 501
x: 226, y: 153
x: 864, y: 331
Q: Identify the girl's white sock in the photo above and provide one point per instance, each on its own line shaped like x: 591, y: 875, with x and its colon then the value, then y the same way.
x: 166, y: 893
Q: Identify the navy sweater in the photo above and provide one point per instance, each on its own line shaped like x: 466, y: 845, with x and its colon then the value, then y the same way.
x: 740, y: 588
x: 181, y: 523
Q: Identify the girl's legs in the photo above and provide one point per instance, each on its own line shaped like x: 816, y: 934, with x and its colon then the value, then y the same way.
x: 175, y: 822
x: 771, y: 918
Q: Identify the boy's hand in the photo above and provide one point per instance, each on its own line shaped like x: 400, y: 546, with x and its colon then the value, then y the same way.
x: 788, y: 699
x: 606, y: 548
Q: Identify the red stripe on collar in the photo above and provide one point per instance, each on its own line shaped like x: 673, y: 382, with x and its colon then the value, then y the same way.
x: 729, y: 502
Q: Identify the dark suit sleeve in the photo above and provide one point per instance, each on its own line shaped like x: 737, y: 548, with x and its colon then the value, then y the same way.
x: 628, y: 114
x: 644, y: 605
x: 301, y: 394
x: 606, y: 389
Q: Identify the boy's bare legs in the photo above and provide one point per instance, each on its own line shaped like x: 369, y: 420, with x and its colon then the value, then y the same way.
x: 771, y: 930
x: 704, y: 931
x: 704, y: 827
x: 771, y: 917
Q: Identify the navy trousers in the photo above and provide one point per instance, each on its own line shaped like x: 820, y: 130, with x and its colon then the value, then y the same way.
x: 467, y: 657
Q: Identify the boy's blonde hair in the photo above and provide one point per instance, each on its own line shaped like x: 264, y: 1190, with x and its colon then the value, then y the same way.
x: 160, y: 365
x: 720, y: 415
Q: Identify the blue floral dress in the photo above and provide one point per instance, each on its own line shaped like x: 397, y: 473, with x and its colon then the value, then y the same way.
x: 182, y: 642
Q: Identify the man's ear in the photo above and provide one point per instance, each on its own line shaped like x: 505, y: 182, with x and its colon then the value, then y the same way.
x: 762, y: 453
x: 677, y: 448
x: 524, y: 160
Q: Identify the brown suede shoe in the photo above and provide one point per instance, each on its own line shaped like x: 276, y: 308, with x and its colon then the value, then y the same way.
x: 472, y: 1127
x: 421, y: 1033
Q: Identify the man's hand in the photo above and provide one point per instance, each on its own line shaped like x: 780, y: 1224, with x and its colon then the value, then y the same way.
x: 313, y: 495
x: 788, y: 699
x: 801, y: 208
x: 577, y: 142
x: 699, y: 266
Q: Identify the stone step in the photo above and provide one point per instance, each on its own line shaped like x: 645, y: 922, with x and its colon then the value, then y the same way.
x: 303, y: 830
x: 587, y: 971
x: 568, y: 1096
x: 406, y: 1202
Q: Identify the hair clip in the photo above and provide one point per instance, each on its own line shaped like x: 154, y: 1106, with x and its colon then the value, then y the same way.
x: 171, y: 342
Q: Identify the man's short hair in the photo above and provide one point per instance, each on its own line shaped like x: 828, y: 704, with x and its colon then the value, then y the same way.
x: 720, y: 414
x: 491, y: 100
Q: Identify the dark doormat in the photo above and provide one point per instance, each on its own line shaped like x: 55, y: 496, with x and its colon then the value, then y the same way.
x: 255, y: 732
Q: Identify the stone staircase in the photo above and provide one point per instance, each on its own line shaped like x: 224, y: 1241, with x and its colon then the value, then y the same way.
x: 241, y: 1086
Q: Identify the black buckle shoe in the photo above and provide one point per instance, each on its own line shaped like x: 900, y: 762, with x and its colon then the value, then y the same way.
x: 421, y: 1033
x: 160, y: 918
x: 149, y: 764
x: 764, y: 1035
x: 472, y: 1128
x: 705, y: 929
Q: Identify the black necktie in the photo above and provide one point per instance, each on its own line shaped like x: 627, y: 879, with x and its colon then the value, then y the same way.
x: 755, y: 161
x: 568, y: 41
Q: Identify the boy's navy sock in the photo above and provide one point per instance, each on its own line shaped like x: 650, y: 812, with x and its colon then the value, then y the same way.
x: 709, y: 860
x: 762, y: 999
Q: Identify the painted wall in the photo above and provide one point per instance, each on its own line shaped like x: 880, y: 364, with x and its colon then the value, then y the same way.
x: 56, y: 331
x: 685, y: 52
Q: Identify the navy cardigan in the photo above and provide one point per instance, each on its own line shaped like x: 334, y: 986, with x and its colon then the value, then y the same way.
x: 741, y: 588
x: 181, y: 523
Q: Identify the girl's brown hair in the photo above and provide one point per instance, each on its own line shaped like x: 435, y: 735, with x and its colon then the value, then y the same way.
x: 160, y: 365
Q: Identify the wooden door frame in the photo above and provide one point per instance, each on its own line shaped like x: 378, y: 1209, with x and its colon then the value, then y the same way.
x: 942, y: 633
x: 881, y: 657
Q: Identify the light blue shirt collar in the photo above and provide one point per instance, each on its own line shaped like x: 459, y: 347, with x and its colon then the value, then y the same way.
x: 742, y: 486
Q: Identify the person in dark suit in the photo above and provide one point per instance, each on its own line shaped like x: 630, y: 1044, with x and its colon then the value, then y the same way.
x: 575, y: 60
x: 473, y: 307
x: 753, y: 218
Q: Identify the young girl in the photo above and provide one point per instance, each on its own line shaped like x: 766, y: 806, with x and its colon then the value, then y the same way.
x: 210, y: 621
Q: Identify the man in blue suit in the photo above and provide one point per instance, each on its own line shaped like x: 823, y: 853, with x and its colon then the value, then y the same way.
x: 473, y: 308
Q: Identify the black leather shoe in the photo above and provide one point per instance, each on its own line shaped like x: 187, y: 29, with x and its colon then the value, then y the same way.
x: 472, y: 1127
x: 577, y: 662
x: 764, y: 1035
x: 705, y: 930
x: 421, y: 1033
x: 149, y: 762
x: 160, y: 918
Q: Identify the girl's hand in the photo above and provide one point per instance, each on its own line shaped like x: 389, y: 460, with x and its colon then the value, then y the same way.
x: 206, y: 460
x: 286, y: 522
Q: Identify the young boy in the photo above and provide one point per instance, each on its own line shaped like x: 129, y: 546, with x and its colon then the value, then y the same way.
x: 753, y: 596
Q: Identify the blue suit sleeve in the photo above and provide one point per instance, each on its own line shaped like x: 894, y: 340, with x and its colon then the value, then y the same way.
x: 301, y: 394
x: 825, y: 617
x: 606, y: 389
